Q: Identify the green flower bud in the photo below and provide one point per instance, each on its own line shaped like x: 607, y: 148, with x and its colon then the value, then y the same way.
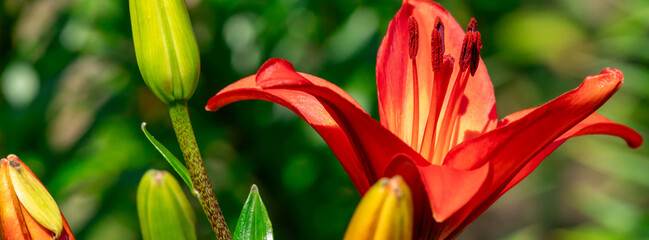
x: 385, y: 212
x: 165, y: 48
x: 163, y: 208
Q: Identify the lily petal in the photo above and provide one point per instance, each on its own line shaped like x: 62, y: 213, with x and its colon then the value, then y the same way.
x: 593, y: 124
x: 364, y: 147
x: 520, y: 140
x: 361, y: 144
x: 395, y: 81
x: 448, y: 188
x: 511, y: 147
x: 438, y: 193
x: 311, y: 110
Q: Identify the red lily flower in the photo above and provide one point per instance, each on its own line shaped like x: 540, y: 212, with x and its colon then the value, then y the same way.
x: 438, y: 128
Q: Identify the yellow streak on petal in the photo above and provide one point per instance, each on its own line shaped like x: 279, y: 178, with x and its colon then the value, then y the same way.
x: 35, y: 198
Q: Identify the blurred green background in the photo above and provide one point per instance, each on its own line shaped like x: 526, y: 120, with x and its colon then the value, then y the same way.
x: 72, y: 100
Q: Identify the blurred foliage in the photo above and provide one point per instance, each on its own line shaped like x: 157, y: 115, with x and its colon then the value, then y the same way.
x: 72, y: 100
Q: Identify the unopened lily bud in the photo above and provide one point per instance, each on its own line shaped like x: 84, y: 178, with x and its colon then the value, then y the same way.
x: 165, y: 48
x: 163, y: 208
x: 27, y: 210
x: 385, y: 212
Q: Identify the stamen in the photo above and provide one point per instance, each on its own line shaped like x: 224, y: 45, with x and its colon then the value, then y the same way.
x: 437, y: 45
x: 436, y: 143
x: 473, y: 25
x: 413, y: 40
x: 475, y: 54
x: 439, y: 26
x: 461, y: 110
x: 450, y: 117
x: 440, y: 87
x: 415, y: 111
x: 470, y: 53
x: 413, y: 47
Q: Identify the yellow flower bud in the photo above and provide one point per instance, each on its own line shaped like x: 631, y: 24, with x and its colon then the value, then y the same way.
x: 165, y: 48
x: 27, y: 210
x: 163, y: 208
x: 385, y: 212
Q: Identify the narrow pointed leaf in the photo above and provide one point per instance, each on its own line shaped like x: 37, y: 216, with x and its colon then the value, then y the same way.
x: 173, y: 161
x: 253, y: 222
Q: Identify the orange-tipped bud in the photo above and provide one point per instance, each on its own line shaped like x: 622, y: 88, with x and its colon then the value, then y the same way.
x: 385, y: 212
x: 27, y: 210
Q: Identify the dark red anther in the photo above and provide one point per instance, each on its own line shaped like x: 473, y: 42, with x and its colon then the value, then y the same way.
x: 470, y: 53
x: 413, y: 37
x: 439, y: 26
x: 473, y: 25
x: 475, y: 54
x: 437, y: 45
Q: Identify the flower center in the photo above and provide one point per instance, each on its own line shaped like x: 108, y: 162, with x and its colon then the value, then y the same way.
x: 441, y: 131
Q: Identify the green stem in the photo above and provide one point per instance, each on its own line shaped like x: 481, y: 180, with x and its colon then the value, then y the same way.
x: 187, y: 141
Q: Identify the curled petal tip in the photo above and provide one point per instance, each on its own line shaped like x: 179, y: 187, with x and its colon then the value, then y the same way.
x: 636, y: 142
x: 633, y: 139
x: 212, y: 104
x: 278, y: 72
x: 607, y: 78
x: 616, y: 72
x: 272, y: 62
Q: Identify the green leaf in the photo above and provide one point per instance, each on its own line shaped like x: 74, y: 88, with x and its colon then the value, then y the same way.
x: 173, y: 161
x: 253, y: 222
